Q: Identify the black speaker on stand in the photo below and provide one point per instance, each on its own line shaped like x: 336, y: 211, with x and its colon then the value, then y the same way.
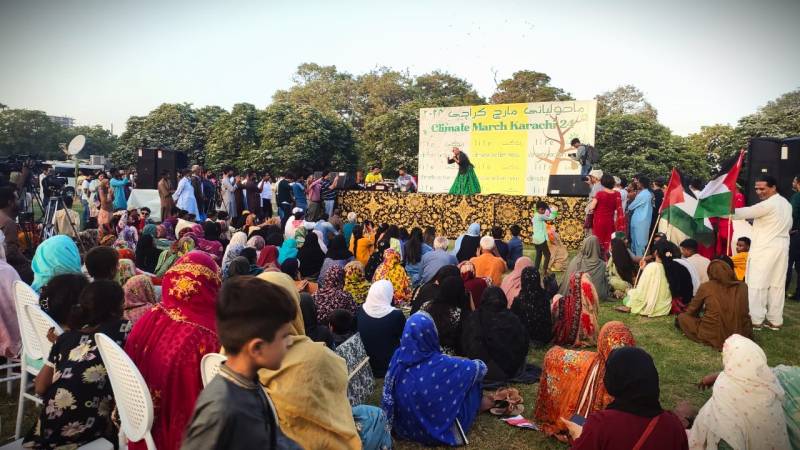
x: 152, y: 161
x: 772, y: 156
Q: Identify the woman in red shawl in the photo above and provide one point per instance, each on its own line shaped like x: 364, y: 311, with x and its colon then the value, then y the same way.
x: 213, y: 248
x: 474, y: 285
x: 268, y: 259
x: 169, y: 341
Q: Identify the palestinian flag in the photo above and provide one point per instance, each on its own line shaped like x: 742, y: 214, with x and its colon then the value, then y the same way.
x: 679, y: 208
x: 716, y: 199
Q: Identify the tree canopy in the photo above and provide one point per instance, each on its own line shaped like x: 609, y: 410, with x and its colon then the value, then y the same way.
x: 624, y: 100
x: 526, y: 86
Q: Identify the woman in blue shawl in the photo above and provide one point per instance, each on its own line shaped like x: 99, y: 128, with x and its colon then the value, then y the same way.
x: 288, y: 250
x: 55, y: 256
x: 426, y: 392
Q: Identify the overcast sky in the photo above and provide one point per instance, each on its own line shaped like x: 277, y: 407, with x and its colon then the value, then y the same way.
x: 698, y: 62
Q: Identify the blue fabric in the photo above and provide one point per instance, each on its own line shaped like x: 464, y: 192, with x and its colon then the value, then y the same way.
x: 641, y: 209
x: 55, y: 256
x: 325, y: 228
x: 288, y: 250
x: 425, y: 391
x: 120, y: 202
x: 433, y: 261
x: 473, y: 230
x: 299, y: 196
x: 347, y: 231
x: 414, y: 271
x: 514, y: 251
x: 372, y: 427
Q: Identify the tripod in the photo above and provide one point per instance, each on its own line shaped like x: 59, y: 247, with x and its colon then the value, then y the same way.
x: 54, y: 203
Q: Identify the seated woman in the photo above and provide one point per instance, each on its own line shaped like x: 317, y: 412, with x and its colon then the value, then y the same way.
x: 620, y: 269
x: 73, y: 383
x: 413, y: 251
x: 337, y: 255
x: 391, y: 269
x: 315, y: 331
x: 362, y: 243
x: 635, y: 417
x: 169, y: 341
x: 380, y: 326
x: 354, y: 281
x: 572, y: 380
x: 466, y: 246
x: 532, y: 306
x: 724, y: 306
x: 575, y: 321
x: 651, y: 297
x: 54, y: 256
x: 177, y: 250
x: 268, y: 259
x: 494, y: 335
x: 682, y: 278
x: 430, y: 290
x: 589, y: 260
x: 147, y: 254
x: 448, y: 310
x: 309, y: 392
x: 310, y: 256
x: 333, y: 296
x: 429, y: 397
x: 60, y: 295
x: 745, y: 409
x: 473, y: 284
x: 512, y: 282
x: 235, y: 246
x: 140, y: 297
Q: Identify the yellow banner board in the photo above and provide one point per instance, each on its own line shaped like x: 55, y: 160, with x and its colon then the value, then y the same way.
x: 514, y: 147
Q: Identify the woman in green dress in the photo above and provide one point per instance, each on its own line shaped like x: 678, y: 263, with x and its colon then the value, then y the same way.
x: 466, y: 182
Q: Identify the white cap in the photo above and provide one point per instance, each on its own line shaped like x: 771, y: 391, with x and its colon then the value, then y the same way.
x: 297, y: 210
x: 487, y: 243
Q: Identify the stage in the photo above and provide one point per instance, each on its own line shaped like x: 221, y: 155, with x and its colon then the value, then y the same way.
x: 452, y: 214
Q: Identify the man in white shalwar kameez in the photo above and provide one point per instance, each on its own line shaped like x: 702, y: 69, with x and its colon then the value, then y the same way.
x: 769, y: 253
x: 185, y: 200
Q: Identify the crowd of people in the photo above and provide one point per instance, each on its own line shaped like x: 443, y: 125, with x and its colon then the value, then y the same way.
x: 440, y: 324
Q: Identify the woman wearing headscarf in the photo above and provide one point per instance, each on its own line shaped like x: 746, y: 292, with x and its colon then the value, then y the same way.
x: 169, y: 341
x: 380, y: 326
x: 429, y: 397
x: 430, y: 290
x: 496, y: 336
x: 126, y: 269
x: 310, y: 388
x: 126, y: 232
x: 413, y: 250
x: 256, y: 242
x: 310, y: 256
x: 466, y: 246
x: 337, y: 254
x: 392, y: 270
x: 620, y: 269
x: 291, y: 267
x: 315, y: 331
x: 300, y: 236
x: 635, y: 418
x: 268, y: 259
x: 572, y: 380
x: 235, y: 246
x: 681, y: 276
x: 213, y: 248
x: 354, y: 281
x: 651, y: 297
x: 473, y: 284
x: 589, y: 261
x: 575, y: 321
x: 375, y: 259
x: 239, y: 266
x: 162, y: 243
x: 724, y: 305
x: 140, y: 297
x: 212, y: 230
x: 362, y: 243
x: 447, y: 310
x: 288, y: 250
x: 54, y: 256
x: 168, y: 257
x: 532, y: 306
x: 745, y: 409
x: 512, y: 283
x: 333, y: 296
x: 147, y: 254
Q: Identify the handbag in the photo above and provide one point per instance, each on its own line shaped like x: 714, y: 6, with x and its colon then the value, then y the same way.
x: 361, y: 382
x: 647, y: 432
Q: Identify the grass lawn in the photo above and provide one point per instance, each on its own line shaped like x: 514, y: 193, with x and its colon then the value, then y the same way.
x: 680, y: 362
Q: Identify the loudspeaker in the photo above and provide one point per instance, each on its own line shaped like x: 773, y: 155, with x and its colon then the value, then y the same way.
x: 173, y: 162
x: 567, y: 186
x: 146, y: 174
x: 772, y: 156
x: 345, y: 180
x: 153, y: 161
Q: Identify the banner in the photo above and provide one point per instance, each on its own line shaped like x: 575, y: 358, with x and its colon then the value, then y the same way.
x: 514, y: 147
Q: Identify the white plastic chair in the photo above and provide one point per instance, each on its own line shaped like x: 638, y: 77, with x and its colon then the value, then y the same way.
x: 133, y: 399
x: 31, y: 348
x: 209, y: 366
x: 42, y: 323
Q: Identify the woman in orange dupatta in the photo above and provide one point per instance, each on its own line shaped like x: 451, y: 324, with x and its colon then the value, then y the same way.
x: 169, y: 341
x: 575, y: 315
x: 572, y: 380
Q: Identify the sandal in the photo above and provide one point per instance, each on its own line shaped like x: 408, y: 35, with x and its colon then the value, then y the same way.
x: 622, y: 309
x: 507, y: 402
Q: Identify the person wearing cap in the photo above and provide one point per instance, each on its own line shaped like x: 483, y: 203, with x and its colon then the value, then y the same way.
x: 593, y: 179
x: 488, y: 264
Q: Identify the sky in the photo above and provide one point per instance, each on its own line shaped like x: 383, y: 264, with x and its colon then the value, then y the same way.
x: 698, y: 62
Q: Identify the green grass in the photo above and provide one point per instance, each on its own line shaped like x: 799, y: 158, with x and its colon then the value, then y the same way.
x: 680, y: 362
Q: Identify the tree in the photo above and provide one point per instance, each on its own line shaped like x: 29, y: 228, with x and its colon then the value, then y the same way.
x: 134, y: 137
x: 717, y: 142
x: 624, y: 100
x: 233, y: 135
x: 633, y: 143
x: 28, y: 132
x: 526, y: 86
x: 779, y: 118
x: 442, y: 89
x: 99, y: 141
x: 393, y: 139
x: 301, y: 139
x: 321, y: 87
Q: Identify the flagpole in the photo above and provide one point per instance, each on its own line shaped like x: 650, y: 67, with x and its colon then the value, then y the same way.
x: 646, y: 249
x: 728, y: 250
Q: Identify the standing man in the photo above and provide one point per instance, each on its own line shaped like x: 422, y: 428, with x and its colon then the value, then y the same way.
x: 105, y: 195
x: 299, y: 193
x: 328, y: 193
x: 266, y: 195
x: 251, y: 193
x: 658, y: 198
x: 584, y: 158
x: 118, y: 184
x: 768, y: 258
x: 197, y: 187
x: 641, y: 209
x: 405, y: 182
x: 314, y: 193
x: 8, y: 225
x: 374, y: 176
x: 165, y: 191
x: 229, y: 193
x: 284, y: 198
x: 184, y: 195
x: 794, y: 240
x: 85, y: 199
